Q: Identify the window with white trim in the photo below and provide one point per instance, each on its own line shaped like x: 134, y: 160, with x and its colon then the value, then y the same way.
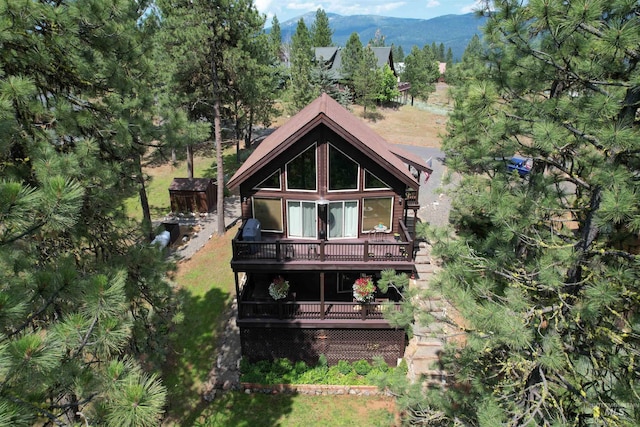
x: 269, y: 213
x: 301, y: 171
x: 343, y: 171
x: 343, y: 219
x: 302, y: 219
x: 376, y: 211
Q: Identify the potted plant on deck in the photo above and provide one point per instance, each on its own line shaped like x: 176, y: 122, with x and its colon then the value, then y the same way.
x: 364, y: 290
x: 279, y: 288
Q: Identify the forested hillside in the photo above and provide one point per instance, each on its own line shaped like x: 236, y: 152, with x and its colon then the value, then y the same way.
x: 454, y: 31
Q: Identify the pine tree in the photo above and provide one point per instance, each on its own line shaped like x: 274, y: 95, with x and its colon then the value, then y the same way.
x: 421, y: 70
x: 367, y: 79
x: 471, y: 66
x: 275, y: 39
x: 378, y: 39
x: 351, y: 56
x: 388, y: 90
x: 82, y: 294
x: 216, y: 44
x: 302, y: 89
x: 321, y: 32
x: 398, y: 53
x: 544, y: 268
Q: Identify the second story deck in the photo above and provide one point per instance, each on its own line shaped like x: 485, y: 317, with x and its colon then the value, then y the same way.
x: 381, y: 249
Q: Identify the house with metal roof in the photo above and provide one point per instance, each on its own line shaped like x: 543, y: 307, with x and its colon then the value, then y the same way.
x: 326, y: 203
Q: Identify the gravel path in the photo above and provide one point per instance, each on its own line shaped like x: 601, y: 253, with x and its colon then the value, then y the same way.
x: 207, y: 226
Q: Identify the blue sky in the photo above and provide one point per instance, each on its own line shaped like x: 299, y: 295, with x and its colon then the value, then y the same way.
x: 420, y: 9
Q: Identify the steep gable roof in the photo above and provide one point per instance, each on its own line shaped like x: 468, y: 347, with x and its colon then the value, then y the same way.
x: 325, y: 110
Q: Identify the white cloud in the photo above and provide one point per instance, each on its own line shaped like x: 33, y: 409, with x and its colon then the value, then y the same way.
x: 433, y: 3
x: 262, y: 5
x: 342, y: 7
x: 476, y: 5
x: 307, y: 6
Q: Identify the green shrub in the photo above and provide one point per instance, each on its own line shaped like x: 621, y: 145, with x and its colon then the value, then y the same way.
x: 343, y: 373
x: 344, y: 367
x: 322, y: 361
x: 361, y: 367
x: 379, y: 364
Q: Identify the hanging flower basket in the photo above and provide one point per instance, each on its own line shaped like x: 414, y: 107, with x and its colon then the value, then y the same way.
x: 279, y: 288
x: 364, y: 290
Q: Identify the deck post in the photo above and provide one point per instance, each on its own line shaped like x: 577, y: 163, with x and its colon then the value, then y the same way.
x: 322, y: 295
x: 278, y: 251
x: 235, y: 274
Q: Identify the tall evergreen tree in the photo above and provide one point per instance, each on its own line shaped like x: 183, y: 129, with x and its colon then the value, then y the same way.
x: 388, y: 90
x: 544, y: 268
x: 212, y: 41
x: 80, y: 298
x: 351, y: 56
x: 471, y: 66
x: 378, y: 39
x: 398, y: 53
x: 367, y: 79
x: 302, y: 90
x: 275, y: 39
x: 421, y: 70
x: 321, y: 32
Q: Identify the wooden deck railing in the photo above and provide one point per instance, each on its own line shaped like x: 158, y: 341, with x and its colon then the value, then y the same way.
x: 314, y: 310
x: 321, y: 250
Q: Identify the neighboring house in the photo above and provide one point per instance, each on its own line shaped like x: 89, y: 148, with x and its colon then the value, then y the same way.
x: 325, y: 200
x: 332, y: 56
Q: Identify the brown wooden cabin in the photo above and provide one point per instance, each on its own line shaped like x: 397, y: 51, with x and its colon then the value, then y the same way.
x: 324, y: 200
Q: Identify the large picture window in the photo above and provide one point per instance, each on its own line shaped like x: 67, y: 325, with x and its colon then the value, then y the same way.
x: 343, y: 219
x: 301, y: 171
x: 343, y: 171
x: 376, y: 211
x: 302, y: 219
x: 269, y: 213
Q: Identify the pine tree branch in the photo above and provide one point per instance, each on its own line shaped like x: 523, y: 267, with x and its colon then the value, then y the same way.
x: 86, y: 337
x: 33, y: 316
x: 51, y: 416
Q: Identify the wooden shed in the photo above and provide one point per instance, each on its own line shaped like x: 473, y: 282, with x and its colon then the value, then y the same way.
x: 193, y: 195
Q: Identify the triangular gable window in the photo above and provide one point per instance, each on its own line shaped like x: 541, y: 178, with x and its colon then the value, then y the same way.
x: 372, y: 182
x: 271, y: 183
x: 343, y: 171
x: 301, y: 171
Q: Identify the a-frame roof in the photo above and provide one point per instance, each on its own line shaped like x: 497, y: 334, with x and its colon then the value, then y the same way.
x: 327, y: 111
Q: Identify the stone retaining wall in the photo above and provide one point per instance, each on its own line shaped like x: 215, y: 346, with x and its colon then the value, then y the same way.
x: 314, y: 389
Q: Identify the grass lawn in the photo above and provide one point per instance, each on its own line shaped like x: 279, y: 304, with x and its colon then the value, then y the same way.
x: 261, y: 410
x: 207, y: 287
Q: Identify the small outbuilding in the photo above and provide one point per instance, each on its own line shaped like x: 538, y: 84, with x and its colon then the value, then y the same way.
x: 193, y: 195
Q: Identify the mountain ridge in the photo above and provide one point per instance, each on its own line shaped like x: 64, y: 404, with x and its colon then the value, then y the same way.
x: 454, y: 31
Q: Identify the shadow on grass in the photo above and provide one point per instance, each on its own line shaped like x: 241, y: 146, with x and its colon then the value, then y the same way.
x: 247, y: 410
x: 373, y: 115
x: 193, y: 353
